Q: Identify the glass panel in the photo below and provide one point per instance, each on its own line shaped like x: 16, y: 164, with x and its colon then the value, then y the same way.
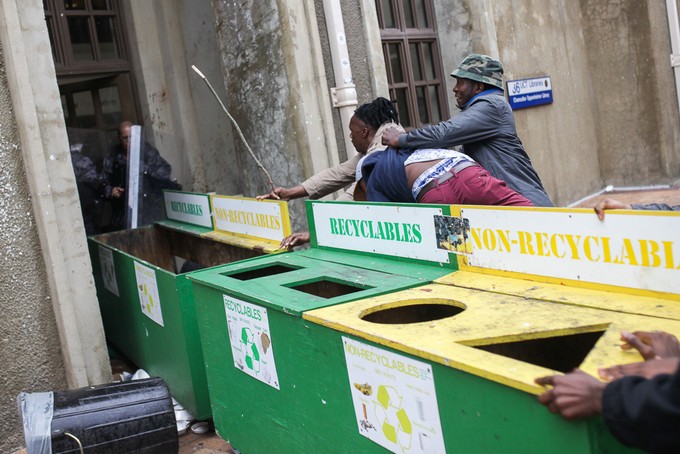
x: 110, y: 101
x: 415, y: 62
x: 421, y: 13
x: 84, y: 110
x: 395, y: 63
x: 64, y: 107
x: 409, y: 21
x: 80, y: 38
x: 387, y: 14
x: 428, y: 59
x: 50, y: 32
x: 422, y: 105
x: 74, y: 4
x: 402, y: 107
x: 106, y: 35
x: 435, y: 108
x: 100, y: 5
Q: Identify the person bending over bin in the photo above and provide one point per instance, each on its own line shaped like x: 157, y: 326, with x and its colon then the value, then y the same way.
x: 432, y: 176
x: 375, y: 117
x: 640, y: 407
x: 425, y: 175
x: 485, y: 128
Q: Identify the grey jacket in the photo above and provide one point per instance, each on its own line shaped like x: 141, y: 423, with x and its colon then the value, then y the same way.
x: 657, y: 207
x: 486, y: 130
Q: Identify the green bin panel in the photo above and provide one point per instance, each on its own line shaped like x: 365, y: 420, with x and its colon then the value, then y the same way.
x: 377, y: 263
x: 172, y: 351
x: 294, y: 283
x: 313, y: 409
x: 484, y: 349
x: 285, y: 285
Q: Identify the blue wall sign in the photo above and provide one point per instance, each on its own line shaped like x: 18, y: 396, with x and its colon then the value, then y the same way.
x: 529, y: 92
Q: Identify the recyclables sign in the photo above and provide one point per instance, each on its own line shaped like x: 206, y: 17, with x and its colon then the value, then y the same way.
x: 529, y: 92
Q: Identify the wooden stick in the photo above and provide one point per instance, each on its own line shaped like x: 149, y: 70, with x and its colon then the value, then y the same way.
x: 259, y: 164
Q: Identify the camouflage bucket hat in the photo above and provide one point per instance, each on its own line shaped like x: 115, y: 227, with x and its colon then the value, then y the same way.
x: 481, y: 68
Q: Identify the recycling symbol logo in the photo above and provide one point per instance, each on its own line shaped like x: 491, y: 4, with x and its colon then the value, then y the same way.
x: 392, y: 418
x: 249, y: 349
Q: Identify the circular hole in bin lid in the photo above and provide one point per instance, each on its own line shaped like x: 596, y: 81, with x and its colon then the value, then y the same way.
x: 412, y: 311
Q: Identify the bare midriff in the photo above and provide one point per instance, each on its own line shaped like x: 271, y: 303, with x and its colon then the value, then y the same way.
x: 413, y: 171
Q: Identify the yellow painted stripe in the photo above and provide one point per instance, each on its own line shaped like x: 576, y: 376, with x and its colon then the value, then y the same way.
x: 244, y: 241
x: 654, y: 306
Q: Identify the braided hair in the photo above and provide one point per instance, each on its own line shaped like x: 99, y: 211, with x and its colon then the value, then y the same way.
x: 377, y: 112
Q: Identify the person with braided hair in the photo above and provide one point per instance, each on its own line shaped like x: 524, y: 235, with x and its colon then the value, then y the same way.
x: 372, y: 118
x: 369, y: 120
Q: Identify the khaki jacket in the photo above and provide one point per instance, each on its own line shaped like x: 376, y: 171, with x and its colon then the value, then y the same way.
x: 335, y: 178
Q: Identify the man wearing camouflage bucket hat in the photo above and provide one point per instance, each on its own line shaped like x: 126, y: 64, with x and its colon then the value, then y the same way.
x: 485, y: 128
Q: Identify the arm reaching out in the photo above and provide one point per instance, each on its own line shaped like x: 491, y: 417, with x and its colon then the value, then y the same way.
x: 390, y: 137
x: 279, y: 193
x: 610, y: 204
x: 651, y: 345
x: 296, y: 239
x: 573, y: 396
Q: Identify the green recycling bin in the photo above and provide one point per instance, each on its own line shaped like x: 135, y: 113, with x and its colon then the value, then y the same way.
x: 450, y: 366
x: 442, y: 369
x: 146, y: 300
x: 269, y: 371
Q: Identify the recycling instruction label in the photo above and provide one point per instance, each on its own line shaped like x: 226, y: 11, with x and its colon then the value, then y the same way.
x: 147, y: 288
x: 251, y: 341
x: 108, y: 270
x: 394, y: 399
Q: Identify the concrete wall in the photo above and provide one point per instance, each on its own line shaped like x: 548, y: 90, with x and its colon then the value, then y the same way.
x: 181, y: 115
x: 29, y: 349
x: 609, y: 65
x: 277, y: 92
x: 215, y: 139
x: 628, y: 55
x: 52, y: 337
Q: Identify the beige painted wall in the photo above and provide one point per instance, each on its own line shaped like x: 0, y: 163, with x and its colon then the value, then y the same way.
x: 29, y: 349
x: 277, y: 92
x: 612, y: 120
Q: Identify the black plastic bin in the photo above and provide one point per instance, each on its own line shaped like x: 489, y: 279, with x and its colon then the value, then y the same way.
x: 128, y: 417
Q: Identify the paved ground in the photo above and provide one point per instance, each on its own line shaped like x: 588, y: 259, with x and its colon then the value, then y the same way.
x: 209, y: 443
x: 670, y: 196
x: 189, y: 443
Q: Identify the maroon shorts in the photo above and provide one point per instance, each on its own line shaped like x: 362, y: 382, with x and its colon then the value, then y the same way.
x: 474, y: 186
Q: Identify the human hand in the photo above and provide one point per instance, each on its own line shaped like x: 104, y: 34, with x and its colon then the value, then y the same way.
x: 573, y: 396
x: 390, y: 137
x: 646, y: 369
x: 117, y: 192
x: 610, y: 204
x: 652, y: 345
x: 277, y: 193
x: 296, y: 239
